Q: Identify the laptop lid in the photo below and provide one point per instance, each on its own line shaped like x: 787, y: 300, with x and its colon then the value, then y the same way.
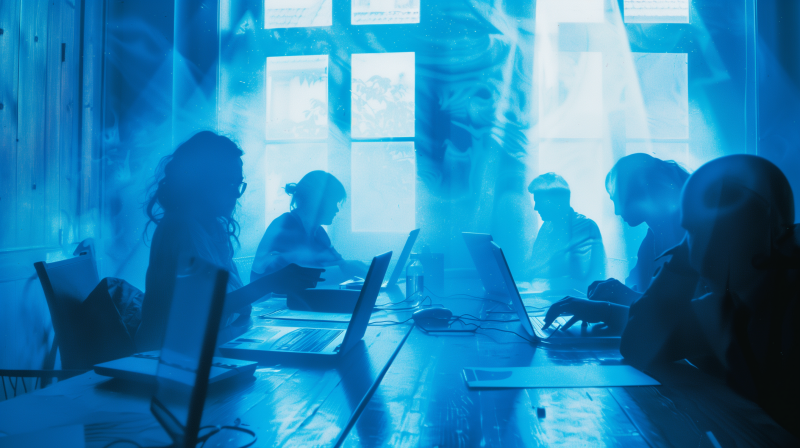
x: 401, y: 261
x: 480, y: 248
x: 188, y: 349
x: 366, y: 301
x: 511, y: 288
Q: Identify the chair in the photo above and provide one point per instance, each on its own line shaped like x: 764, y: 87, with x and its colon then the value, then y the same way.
x: 65, y: 284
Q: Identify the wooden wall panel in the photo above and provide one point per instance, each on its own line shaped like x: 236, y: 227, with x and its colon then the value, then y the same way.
x: 92, y: 117
x: 60, y: 145
x: 32, y: 96
x: 39, y: 173
x: 39, y: 89
x: 53, y: 124
x: 69, y: 151
x: 9, y: 67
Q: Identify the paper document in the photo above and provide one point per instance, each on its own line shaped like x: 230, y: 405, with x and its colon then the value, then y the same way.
x: 556, y: 376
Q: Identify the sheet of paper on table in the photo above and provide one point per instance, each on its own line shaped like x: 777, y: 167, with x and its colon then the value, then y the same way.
x: 556, y: 376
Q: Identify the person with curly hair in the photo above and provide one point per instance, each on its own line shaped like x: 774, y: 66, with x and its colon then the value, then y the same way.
x: 192, y: 205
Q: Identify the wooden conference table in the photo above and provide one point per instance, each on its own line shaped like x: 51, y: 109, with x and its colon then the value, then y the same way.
x: 403, y: 387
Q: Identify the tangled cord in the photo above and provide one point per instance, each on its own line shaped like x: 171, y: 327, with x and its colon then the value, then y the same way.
x: 412, y: 307
x: 461, y: 318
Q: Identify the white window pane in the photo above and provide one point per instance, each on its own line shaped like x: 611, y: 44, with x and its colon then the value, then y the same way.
x: 286, y: 163
x: 297, y: 97
x: 573, y: 107
x: 381, y: 12
x: 664, y: 84
x: 297, y: 13
x: 574, y: 11
x: 656, y: 11
x: 383, y: 95
x: 383, y: 179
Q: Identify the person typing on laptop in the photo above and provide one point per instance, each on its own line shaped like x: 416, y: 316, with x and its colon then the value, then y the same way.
x: 298, y: 236
x: 728, y: 297
x: 192, y: 205
x: 645, y: 190
x: 743, y: 246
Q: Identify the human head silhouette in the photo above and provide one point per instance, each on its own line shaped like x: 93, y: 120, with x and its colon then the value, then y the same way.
x: 317, y: 195
x: 202, y: 179
x: 735, y: 210
x: 644, y: 187
x: 550, y: 196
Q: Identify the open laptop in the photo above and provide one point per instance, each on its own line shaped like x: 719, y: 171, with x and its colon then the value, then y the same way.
x: 315, y: 340
x: 186, y: 356
x: 398, y: 267
x: 192, y: 306
x: 480, y: 248
x: 533, y: 325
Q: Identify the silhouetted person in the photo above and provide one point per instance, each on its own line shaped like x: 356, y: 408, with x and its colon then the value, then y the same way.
x: 193, y: 205
x: 568, y: 252
x: 644, y: 190
x: 298, y: 236
x: 738, y: 212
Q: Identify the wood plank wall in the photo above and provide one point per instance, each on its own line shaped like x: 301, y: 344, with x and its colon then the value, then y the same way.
x: 9, y: 79
x: 39, y: 60
x: 44, y: 190
x: 31, y: 94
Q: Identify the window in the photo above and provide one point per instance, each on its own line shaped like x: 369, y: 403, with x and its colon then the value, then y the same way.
x: 300, y: 103
x: 656, y: 11
x: 382, y: 170
x: 415, y: 107
x: 297, y: 98
x: 382, y: 12
x: 297, y: 13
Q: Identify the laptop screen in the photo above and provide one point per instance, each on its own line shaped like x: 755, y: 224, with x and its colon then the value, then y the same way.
x: 401, y: 261
x: 188, y: 348
x: 366, y: 301
x: 511, y: 287
x: 480, y: 248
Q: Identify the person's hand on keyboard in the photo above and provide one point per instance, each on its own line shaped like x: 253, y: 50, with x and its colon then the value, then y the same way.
x: 295, y: 278
x: 589, y: 311
x: 613, y: 291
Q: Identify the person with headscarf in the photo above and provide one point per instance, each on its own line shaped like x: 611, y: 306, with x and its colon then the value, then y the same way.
x: 298, y: 236
x: 743, y: 246
x: 192, y: 204
x: 568, y: 251
x: 645, y: 190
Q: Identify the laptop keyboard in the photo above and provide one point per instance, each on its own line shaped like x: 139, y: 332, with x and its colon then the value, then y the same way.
x: 538, y: 323
x: 310, y: 340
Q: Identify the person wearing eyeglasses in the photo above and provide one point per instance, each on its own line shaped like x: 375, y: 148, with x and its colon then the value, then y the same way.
x: 298, y: 236
x: 192, y: 205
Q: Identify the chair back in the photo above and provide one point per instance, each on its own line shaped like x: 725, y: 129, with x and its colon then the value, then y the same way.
x: 66, y: 284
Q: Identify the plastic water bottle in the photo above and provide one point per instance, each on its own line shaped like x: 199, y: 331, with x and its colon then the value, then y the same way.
x: 415, y: 279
